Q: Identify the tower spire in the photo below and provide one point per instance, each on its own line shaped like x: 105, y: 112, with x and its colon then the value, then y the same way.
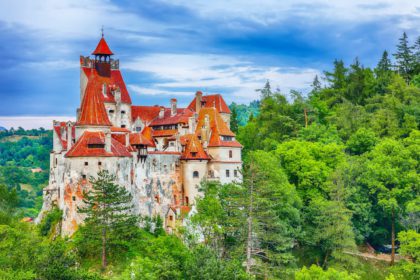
x: 102, y: 31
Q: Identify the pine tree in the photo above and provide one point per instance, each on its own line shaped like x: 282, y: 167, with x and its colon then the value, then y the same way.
x: 383, y: 73
x: 108, y: 208
x: 316, y: 85
x: 337, y: 78
x: 272, y: 214
x: 405, y: 58
x: 234, y: 120
x: 266, y: 91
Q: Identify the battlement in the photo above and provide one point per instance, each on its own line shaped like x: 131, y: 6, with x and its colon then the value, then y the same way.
x: 88, y: 62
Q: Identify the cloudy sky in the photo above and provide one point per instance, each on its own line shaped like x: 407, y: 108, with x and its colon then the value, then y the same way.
x: 171, y: 48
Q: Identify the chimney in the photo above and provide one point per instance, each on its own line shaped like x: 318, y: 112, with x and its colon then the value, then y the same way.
x: 205, y: 131
x: 198, y: 100
x: 107, y: 142
x: 173, y: 106
x: 191, y: 124
x: 69, y: 136
x: 161, y: 112
x: 127, y: 139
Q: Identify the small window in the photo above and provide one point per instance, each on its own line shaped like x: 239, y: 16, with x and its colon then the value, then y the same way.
x: 227, y: 173
x: 195, y: 174
x: 86, y: 163
x: 84, y: 176
x: 171, y: 218
x: 235, y: 173
x: 56, y: 161
x: 122, y: 112
x: 187, y: 202
x: 74, y: 198
x: 111, y: 111
x: 138, y: 129
x: 123, y: 126
x: 193, y: 154
x: 99, y: 163
x: 230, y: 154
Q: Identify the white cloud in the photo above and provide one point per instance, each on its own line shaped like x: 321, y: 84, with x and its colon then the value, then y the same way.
x: 266, y: 12
x: 29, y: 122
x: 233, y: 77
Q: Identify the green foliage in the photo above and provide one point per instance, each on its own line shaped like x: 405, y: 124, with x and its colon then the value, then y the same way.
x: 50, y: 221
x: 362, y: 141
x: 317, y: 273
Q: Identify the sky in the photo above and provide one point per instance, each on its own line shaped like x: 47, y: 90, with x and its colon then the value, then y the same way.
x: 172, y: 48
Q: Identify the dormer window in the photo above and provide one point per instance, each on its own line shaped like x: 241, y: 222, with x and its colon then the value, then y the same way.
x: 96, y: 146
x: 111, y: 111
x: 193, y: 154
x: 226, y: 138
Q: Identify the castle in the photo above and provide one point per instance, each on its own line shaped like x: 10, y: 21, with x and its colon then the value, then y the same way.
x: 159, y: 154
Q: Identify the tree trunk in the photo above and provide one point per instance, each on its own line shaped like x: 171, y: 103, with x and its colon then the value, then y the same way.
x: 104, y: 249
x: 249, y: 238
x: 392, y: 237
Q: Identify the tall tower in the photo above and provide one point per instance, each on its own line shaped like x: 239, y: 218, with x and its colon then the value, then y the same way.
x: 102, y: 55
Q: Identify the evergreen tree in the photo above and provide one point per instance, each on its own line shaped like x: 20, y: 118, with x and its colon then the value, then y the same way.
x: 405, y: 58
x: 337, y: 78
x: 108, y: 209
x: 234, y: 120
x: 272, y: 210
x: 266, y: 91
x: 383, y: 73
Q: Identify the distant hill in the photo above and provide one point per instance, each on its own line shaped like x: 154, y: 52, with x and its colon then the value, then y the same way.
x: 2, y: 128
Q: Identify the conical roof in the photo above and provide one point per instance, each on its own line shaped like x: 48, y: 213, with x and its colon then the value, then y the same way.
x: 102, y: 48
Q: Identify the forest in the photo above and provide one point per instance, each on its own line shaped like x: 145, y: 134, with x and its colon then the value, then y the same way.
x: 331, y: 183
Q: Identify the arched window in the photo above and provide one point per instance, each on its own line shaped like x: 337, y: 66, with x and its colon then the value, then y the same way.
x: 195, y: 174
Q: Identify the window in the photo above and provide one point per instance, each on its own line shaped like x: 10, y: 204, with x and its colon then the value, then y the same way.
x: 193, y: 154
x: 99, y: 163
x: 86, y: 163
x: 171, y: 218
x: 226, y: 138
x: 227, y: 173
x: 187, y: 202
x: 97, y: 146
x: 235, y: 173
x: 111, y: 111
x: 230, y: 154
x: 195, y: 174
x: 123, y: 126
x: 84, y: 176
x: 138, y: 129
x: 122, y: 112
x: 73, y: 198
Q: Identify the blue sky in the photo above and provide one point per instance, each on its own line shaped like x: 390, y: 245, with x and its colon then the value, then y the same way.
x: 171, y: 48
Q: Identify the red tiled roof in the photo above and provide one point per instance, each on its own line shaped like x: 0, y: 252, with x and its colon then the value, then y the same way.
x: 81, y: 149
x: 63, y: 126
x: 164, y: 132
x: 139, y: 139
x: 193, y: 149
x: 92, y: 109
x: 102, y: 48
x: 145, y: 113
x: 119, y: 129
x: 218, y: 128
x: 181, y: 116
x: 214, y: 100
x: 115, y: 81
x: 147, y: 132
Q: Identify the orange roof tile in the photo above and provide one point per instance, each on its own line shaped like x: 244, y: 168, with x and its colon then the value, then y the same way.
x: 218, y: 128
x: 92, y: 109
x: 147, y: 133
x: 114, y: 81
x: 102, y: 48
x: 145, y: 113
x: 81, y: 149
x: 139, y: 139
x: 193, y: 149
x: 164, y: 132
x: 181, y: 116
x: 119, y: 129
x: 214, y: 100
